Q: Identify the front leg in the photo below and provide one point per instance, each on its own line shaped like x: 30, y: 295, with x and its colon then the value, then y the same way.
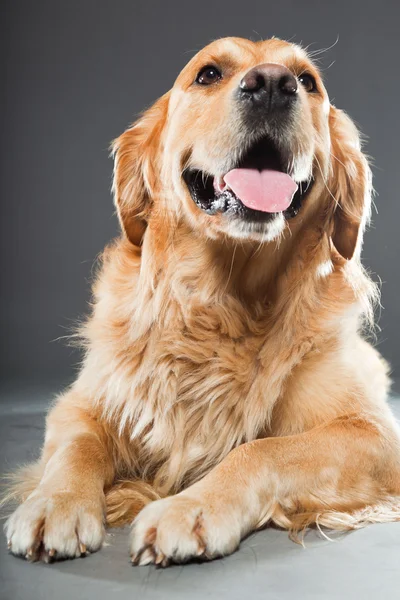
x: 63, y: 516
x: 337, y: 468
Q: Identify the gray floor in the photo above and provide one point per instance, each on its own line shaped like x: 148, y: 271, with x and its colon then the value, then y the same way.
x: 364, y: 564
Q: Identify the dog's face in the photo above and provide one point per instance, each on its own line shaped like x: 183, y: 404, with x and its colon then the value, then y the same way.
x: 244, y: 143
x: 247, y: 121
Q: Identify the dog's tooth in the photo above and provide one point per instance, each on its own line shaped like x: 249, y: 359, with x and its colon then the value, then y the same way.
x: 219, y: 184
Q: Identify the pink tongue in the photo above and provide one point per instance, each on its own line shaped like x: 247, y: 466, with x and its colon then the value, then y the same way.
x: 268, y: 190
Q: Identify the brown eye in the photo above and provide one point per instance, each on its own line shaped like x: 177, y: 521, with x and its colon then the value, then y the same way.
x: 208, y: 75
x: 308, y: 82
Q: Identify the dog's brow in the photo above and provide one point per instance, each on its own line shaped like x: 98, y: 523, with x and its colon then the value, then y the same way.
x: 224, y: 60
x: 300, y: 66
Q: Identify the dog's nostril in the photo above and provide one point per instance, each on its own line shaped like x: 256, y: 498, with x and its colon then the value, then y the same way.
x: 252, y: 82
x: 288, y: 84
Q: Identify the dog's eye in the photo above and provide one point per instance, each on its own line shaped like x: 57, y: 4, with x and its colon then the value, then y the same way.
x: 308, y: 82
x: 208, y: 75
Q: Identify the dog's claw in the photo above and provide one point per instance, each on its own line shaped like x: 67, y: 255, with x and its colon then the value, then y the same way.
x: 164, y: 563
x: 49, y: 555
x: 134, y: 558
x: 82, y: 548
x: 146, y: 557
x: 9, y: 544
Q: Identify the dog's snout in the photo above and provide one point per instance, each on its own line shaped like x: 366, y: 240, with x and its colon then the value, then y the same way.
x: 270, y: 85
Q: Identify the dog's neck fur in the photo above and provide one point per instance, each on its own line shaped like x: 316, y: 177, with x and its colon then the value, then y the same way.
x: 208, y: 270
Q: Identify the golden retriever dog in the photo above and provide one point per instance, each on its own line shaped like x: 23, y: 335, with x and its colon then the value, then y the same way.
x: 226, y: 383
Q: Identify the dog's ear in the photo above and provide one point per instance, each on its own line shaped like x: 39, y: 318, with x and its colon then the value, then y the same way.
x: 349, y: 184
x: 135, y: 169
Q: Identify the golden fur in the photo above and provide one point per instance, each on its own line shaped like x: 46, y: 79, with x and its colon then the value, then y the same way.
x: 225, y: 375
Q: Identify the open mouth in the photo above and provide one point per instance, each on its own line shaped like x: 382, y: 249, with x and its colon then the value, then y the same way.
x: 256, y: 189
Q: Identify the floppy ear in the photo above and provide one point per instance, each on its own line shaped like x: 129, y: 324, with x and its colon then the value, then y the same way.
x: 349, y: 183
x: 135, y: 169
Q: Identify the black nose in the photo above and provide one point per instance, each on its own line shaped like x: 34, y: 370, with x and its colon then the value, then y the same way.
x: 269, y: 85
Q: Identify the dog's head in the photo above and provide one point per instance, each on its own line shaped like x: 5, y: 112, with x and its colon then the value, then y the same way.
x: 244, y: 145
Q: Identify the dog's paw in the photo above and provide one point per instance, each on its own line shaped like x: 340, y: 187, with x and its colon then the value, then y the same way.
x: 181, y: 528
x: 61, y: 525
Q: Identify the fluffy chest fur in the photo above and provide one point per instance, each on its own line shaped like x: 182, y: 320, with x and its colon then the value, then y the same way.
x: 173, y: 361
x: 193, y: 374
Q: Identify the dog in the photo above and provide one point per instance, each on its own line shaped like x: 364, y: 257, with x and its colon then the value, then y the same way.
x: 226, y: 382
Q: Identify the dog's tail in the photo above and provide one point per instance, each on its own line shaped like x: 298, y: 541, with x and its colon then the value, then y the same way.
x: 17, y: 486
x: 385, y: 511
x: 124, y: 500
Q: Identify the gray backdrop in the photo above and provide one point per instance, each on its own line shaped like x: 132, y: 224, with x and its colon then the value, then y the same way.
x: 77, y: 71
